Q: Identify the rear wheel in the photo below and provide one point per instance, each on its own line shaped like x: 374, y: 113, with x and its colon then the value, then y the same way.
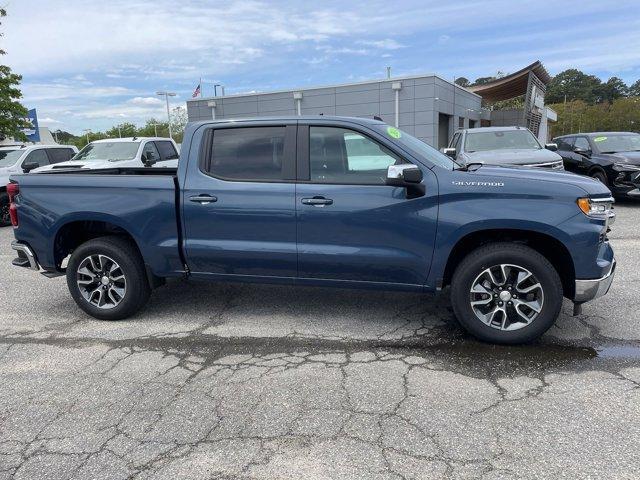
x: 600, y: 176
x: 107, y: 278
x: 5, y: 219
x: 506, y: 293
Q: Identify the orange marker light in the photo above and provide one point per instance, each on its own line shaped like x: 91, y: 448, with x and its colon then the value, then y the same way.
x: 585, y: 205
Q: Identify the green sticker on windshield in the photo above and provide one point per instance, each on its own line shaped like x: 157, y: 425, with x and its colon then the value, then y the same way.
x: 599, y: 139
x: 393, y: 132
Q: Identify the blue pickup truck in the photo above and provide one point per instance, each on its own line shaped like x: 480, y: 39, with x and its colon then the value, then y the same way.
x: 327, y: 201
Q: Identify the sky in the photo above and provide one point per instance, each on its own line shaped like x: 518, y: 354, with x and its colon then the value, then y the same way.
x: 94, y: 64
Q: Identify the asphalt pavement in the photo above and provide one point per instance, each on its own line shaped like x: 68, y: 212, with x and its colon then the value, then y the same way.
x: 273, y: 382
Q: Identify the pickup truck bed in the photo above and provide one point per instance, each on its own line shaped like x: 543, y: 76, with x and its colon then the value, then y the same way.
x: 141, y: 201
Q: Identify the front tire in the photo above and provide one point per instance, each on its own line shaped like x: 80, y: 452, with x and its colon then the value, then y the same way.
x: 5, y: 219
x: 107, y: 278
x: 601, y: 177
x: 506, y: 293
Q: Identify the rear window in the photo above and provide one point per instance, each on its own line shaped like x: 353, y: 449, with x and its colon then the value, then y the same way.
x: 57, y: 155
x: 167, y: 150
x: 252, y: 153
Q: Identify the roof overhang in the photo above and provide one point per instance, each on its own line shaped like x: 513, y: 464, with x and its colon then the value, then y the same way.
x: 513, y: 85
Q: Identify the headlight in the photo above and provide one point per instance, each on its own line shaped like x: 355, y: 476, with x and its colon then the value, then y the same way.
x: 597, y: 208
x: 625, y: 167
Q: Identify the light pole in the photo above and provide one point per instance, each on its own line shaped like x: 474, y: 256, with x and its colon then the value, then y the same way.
x: 119, y: 132
x: 215, y: 89
x: 88, y: 131
x: 166, y: 96
x: 155, y: 128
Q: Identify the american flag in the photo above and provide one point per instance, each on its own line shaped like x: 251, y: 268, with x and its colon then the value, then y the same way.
x: 196, y: 92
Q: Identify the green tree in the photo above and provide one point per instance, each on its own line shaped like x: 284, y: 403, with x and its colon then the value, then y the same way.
x: 123, y: 130
x: 153, y: 128
x: 463, y: 82
x: 575, y: 85
x: 611, y: 90
x: 12, y: 112
x: 634, y: 90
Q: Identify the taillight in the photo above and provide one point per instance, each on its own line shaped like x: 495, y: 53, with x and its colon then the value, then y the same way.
x: 13, y: 189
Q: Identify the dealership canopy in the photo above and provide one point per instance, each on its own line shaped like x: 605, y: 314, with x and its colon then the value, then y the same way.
x: 513, y: 85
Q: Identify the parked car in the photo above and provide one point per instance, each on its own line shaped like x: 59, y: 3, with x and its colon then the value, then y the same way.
x: 123, y: 152
x: 610, y: 157
x: 507, y: 146
x: 291, y: 200
x: 23, y: 159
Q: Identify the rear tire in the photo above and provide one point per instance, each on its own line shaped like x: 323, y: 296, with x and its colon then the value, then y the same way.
x: 107, y: 278
x: 5, y: 219
x: 505, y: 311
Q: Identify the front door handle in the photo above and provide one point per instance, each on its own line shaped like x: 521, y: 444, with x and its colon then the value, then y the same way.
x: 317, y: 201
x: 203, y: 199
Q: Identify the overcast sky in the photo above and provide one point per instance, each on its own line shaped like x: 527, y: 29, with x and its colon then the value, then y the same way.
x: 92, y: 64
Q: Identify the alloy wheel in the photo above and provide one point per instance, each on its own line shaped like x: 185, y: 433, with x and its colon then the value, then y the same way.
x: 101, y: 281
x: 506, y: 297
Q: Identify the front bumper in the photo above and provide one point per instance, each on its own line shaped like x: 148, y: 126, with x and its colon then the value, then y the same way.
x: 26, y: 257
x: 587, y: 290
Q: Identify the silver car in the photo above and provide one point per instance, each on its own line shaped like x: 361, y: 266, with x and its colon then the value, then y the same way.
x: 507, y: 146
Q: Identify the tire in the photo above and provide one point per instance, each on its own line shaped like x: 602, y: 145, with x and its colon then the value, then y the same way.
x: 516, y: 260
x: 601, y: 177
x: 127, y: 290
x: 5, y: 219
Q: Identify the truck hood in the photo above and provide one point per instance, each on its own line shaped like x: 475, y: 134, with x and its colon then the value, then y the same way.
x: 93, y: 164
x: 632, y: 158
x: 589, y: 185
x: 513, y: 157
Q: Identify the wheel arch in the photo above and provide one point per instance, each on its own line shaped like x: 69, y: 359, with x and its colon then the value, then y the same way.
x: 548, y: 246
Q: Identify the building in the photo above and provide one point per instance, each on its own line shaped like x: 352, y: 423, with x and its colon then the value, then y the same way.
x: 427, y: 106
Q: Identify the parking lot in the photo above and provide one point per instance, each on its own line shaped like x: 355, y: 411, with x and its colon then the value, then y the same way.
x: 249, y: 381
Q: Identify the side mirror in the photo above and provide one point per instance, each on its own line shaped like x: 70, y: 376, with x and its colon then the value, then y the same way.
x: 408, y: 176
x: 582, y: 151
x: 552, y: 146
x: 28, y: 166
x: 148, y: 161
x: 451, y: 152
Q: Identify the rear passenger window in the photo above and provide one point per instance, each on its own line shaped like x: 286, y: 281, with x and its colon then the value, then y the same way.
x: 57, y: 155
x: 167, y: 150
x: 253, y: 153
x: 37, y: 156
x: 338, y: 155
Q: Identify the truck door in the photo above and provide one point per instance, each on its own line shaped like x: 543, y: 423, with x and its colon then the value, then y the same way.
x: 239, y: 203
x: 351, y: 225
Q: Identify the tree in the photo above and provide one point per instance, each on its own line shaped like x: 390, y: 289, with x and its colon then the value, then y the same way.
x: 576, y: 85
x: 125, y: 129
x: 483, y: 80
x: 178, y: 122
x: 613, y: 89
x: 154, y: 128
x: 634, y: 90
x: 12, y: 112
x: 463, y: 82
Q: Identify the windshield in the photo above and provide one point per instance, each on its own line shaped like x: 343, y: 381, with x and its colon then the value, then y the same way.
x: 501, y: 140
x: 617, y: 143
x: 108, y: 151
x: 415, y: 146
x: 8, y: 158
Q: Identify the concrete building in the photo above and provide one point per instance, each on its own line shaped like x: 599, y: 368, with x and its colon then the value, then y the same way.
x: 428, y: 107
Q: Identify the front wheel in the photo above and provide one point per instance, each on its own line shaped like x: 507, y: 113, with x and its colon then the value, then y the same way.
x: 601, y: 177
x: 107, y: 278
x: 506, y: 293
x: 5, y: 219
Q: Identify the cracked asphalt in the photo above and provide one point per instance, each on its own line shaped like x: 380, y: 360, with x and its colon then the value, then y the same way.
x: 272, y: 382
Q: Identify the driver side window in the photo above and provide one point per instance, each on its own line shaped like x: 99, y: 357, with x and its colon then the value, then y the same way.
x: 581, y: 144
x: 342, y: 156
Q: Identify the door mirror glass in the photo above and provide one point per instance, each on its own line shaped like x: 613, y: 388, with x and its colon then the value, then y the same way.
x: 552, y: 146
x: 582, y: 151
x: 28, y: 166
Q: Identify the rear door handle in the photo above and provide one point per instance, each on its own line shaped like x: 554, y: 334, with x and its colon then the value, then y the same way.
x: 317, y: 201
x: 203, y: 199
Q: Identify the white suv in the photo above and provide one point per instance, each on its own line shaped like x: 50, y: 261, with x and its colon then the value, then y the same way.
x: 23, y: 159
x: 123, y: 152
